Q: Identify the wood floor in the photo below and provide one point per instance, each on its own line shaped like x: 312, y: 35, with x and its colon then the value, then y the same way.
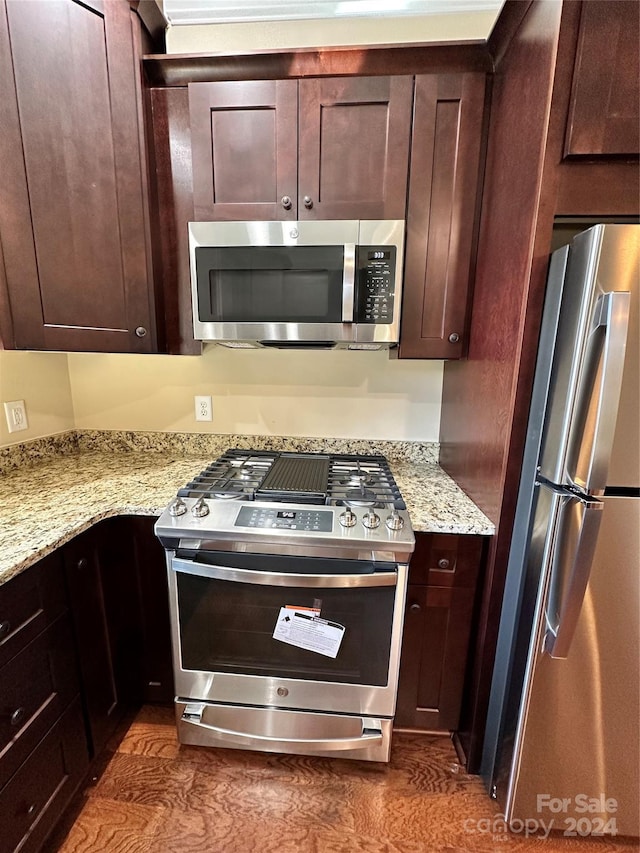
x: 156, y: 796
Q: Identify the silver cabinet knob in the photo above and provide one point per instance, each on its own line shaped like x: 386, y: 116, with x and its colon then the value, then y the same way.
x: 348, y: 518
x: 308, y: 202
x: 395, y: 521
x: 200, y: 508
x: 443, y: 563
x: 141, y: 332
x: 454, y: 337
x: 17, y: 717
x: 5, y: 628
x: 286, y: 202
x: 371, y: 520
x: 415, y: 608
x: 177, y: 507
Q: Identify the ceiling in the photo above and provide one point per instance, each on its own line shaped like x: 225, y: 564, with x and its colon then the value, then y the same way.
x: 184, y: 12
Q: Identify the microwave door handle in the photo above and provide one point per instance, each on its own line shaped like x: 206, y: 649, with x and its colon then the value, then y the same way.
x: 252, y: 576
x: 348, y: 282
x: 591, y: 437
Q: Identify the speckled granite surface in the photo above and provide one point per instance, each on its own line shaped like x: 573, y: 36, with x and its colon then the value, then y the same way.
x: 48, y: 500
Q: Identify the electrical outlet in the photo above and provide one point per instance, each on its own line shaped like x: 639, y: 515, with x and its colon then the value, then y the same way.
x: 16, y: 415
x: 204, y: 411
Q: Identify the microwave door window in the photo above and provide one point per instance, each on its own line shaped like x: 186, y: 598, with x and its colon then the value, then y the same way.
x: 271, y: 284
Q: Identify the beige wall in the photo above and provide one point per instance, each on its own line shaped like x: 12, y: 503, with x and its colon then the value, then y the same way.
x: 42, y: 381
x: 341, y: 394
x: 466, y: 26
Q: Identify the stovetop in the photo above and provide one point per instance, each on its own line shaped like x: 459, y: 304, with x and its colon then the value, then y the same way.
x: 277, y: 502
x: 301, y: 478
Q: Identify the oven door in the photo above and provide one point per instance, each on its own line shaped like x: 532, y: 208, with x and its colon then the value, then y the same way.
x: 231, y: 643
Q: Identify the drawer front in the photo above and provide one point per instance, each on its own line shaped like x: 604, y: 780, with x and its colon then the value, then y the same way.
x: 28, y: 603
x: 37, y: 685
x: 446, y: 560
x: 38, y: 793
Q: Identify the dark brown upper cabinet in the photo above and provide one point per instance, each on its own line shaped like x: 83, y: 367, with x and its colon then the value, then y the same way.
x: 73, y: 222
x: 444, y: 184
x: 604, y: 111
x: 330, y: 148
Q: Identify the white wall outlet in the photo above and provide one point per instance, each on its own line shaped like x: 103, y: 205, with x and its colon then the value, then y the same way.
x: 16, y: 415
x: 204, y: 409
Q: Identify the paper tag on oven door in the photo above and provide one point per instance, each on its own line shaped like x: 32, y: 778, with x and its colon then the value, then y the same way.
x: 302, y: 628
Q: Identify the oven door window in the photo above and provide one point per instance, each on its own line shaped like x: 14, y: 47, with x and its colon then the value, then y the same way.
x: 227, y: 626
x: 270, y: 284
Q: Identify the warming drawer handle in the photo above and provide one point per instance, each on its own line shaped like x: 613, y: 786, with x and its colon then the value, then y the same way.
x: 228, y: 573
x: 366, y: 740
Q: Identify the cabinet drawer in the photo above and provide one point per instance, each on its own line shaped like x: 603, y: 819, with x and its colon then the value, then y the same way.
x: 30, y: 602
x: 446, y: 560
x: 37, y: 685
x: 34, y: 799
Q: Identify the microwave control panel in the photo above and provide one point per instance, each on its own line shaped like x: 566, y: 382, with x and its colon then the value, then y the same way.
x: 375, y: 284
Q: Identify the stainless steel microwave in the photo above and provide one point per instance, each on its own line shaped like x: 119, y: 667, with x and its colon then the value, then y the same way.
x: 309, y: 284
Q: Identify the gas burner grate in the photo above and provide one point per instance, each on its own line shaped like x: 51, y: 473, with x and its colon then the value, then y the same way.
x: 363, y: 481
x: 235, y: 475
x: 301, y: 478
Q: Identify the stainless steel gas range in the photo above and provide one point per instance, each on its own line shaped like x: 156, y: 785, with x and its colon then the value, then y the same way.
x: 287, y: 581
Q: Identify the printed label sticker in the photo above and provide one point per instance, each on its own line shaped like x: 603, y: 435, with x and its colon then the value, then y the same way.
x: 303, y: 627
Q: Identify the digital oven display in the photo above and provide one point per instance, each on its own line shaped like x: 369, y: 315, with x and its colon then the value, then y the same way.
x: 320, y: 520
x: 379, y: 255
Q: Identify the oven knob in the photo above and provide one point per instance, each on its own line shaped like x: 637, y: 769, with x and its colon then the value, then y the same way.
x: 395, y: 521
x: 177, y: 507
x: 200, y: 508
x: 371, y: 520
x: 348, y: 518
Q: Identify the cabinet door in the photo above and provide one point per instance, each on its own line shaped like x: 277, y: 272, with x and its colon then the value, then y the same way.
x: 95, y: 636
x: 604, y: 112
x: 156, y: 663
x: 354, y: 147
x: 441, y: 214
x: 72, y: 222
x: 434, y: 655
x: 244, y: 140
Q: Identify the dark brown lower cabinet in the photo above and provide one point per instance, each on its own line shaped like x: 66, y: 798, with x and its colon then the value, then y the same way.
x: 35, y: 798
x: 156, y: 670
x: 441, y: 594
x: 43, y: 745
x: 84, y: 637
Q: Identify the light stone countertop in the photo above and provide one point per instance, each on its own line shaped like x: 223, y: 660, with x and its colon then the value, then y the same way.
x: 45, y: 504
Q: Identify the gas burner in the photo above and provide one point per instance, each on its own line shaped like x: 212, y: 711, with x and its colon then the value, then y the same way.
x: 230, y: 496
x: 357, y: 478
x: 360, y: 497
x: 247, y: 470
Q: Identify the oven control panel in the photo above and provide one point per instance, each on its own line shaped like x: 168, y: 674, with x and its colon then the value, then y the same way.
x: 376, y: 284
x: 286, y: 519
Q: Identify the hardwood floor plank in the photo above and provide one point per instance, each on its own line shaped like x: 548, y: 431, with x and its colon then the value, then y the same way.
x: 107, y: 825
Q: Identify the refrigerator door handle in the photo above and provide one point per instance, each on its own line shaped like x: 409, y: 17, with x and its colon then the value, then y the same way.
x: 571, y: 558
x: 592, y: 431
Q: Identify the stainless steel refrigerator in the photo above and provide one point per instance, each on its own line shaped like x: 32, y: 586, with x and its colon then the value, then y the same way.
x: 561, y: 744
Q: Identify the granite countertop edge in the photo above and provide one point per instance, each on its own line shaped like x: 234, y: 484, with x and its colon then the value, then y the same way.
x: 78, y: 483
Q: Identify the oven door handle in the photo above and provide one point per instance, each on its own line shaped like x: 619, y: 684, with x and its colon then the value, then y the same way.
x: 368, y: 738
x: 227, y: 573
